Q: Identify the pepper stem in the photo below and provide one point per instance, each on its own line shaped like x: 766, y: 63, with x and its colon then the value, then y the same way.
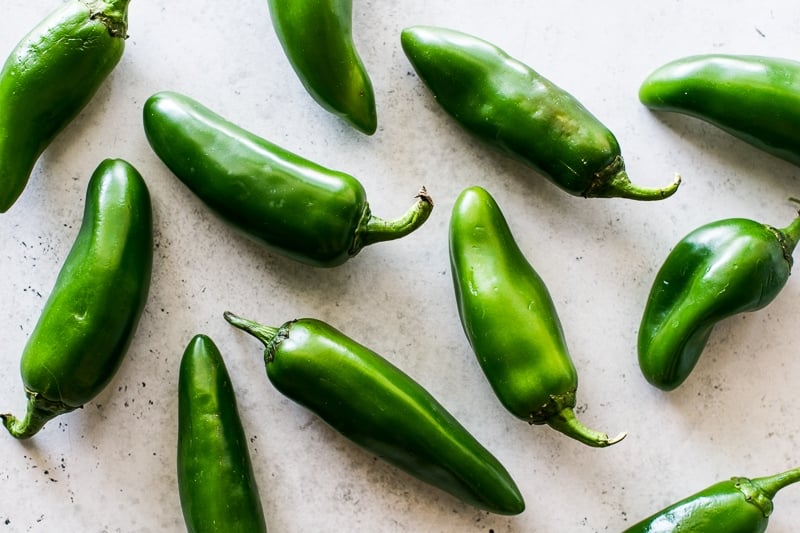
x: 375, y: 229
x: 266, y: 334
x: 39, y: 411
x: 619, y: 186
x: 770, y: 485
x: 112, y: 13
x: 791, y: 233
x: 567, y: 423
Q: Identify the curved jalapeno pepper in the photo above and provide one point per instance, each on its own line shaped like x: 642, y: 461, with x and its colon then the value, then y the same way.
x: 511, y: 321
x: 91, y: 315
x: 756, y: 99
x: 317, y: 38
x: 727, y: 267
x: 375, y: 405
x: 513, y: 108
x: 738, y: 505
x: 293, y: 206
x: 49, y: 77
x: 217, y: 486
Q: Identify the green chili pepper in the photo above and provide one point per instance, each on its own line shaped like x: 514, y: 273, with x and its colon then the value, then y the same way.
x: 317, y: 38
x: 374, y: 404
x: 756, y: 99
x: 511, y: 321
x: 720, y: 269
x: 739, y: 505
x: 49, y: 77
x: 293, y: 206
x: 90, y: 317
x: 513, y: 108
x: 217, y: 487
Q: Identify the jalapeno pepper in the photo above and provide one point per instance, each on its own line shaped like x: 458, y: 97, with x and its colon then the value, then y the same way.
x: 511, y: 321
x: 720, y: 269
x: 510, y: 106
x: 317, y: 38
x: 738, y: 505
x: 293, y: 206
x: 754, y: 98
x: 217, y: 486
x: 380, y: 408
x: 49, y: 77
x: 91, y: 315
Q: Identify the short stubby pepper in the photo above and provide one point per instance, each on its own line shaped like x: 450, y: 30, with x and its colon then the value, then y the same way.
x: 511, y: 321
x: 317, y: 38
x: 754, y: 98
x: 738, y: 505
x: 94, y: 308
x: 511, y: 107
x: 720, y: 269
x: 50, y: 76
x: 291, y: 205
x: 377, y: 406
x: 216, y: 483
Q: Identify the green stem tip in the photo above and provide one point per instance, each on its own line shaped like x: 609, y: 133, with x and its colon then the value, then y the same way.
x: 266, y: 334
x: 620, y: 186
x: 770, y: 485
x: 375, y: 229
x: 567, y: 423
x: 39, y: 411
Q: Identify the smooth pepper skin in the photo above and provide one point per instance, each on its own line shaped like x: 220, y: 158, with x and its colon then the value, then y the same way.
x: 754, y: 98
x: 511, y: 107
x: 217, y: 486
x: 49, y: 78
x: 92, y: 312
x: 511, y: 321
x: 377, y: 406
x: 738, y: 505
x: 317, y: 38
x: 291, y: 205
x: 718, y: 270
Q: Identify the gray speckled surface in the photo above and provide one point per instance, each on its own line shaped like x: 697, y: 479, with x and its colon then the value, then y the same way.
x: 110, y: 467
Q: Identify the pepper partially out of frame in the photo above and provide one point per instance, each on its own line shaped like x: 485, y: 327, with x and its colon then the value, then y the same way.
x: 738, y: 505
x: 49, y: 78
x: 720, y: 269
x: 511, y: 321
x: 293, y: 206
x: 377, y: 406
x: 510, y: 106
x: 754, y: 98
x: 91, y: 315
x: 216, y: 483
x: 316, y: 36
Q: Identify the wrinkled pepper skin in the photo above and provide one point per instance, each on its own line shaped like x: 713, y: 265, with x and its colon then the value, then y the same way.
x: 718, y: 270
x: 513, y: 108
x: 754, y: 98
x: 49, y: 77
x: 511, y: 321
x: 217, y: 486
x: 317, y: 38
x: 91, y: 315
x: 291, y: 205
x: 380, y: 408
x: 738, y: 505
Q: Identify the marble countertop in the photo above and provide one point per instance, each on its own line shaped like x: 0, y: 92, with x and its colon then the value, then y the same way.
x: 110, y: 467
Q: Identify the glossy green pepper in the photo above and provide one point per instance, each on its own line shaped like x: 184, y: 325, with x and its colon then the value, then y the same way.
x: 511, y: 321
x: 91, y: 315
x: 49, y: 77
x: 317, y: 37
x: 216, y: 483
x: 718, y: 270
x: 510, y: 106
x: 756, y: 99
x: 380, y: 408
x: 738, y: 505
x: 293, y: 206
